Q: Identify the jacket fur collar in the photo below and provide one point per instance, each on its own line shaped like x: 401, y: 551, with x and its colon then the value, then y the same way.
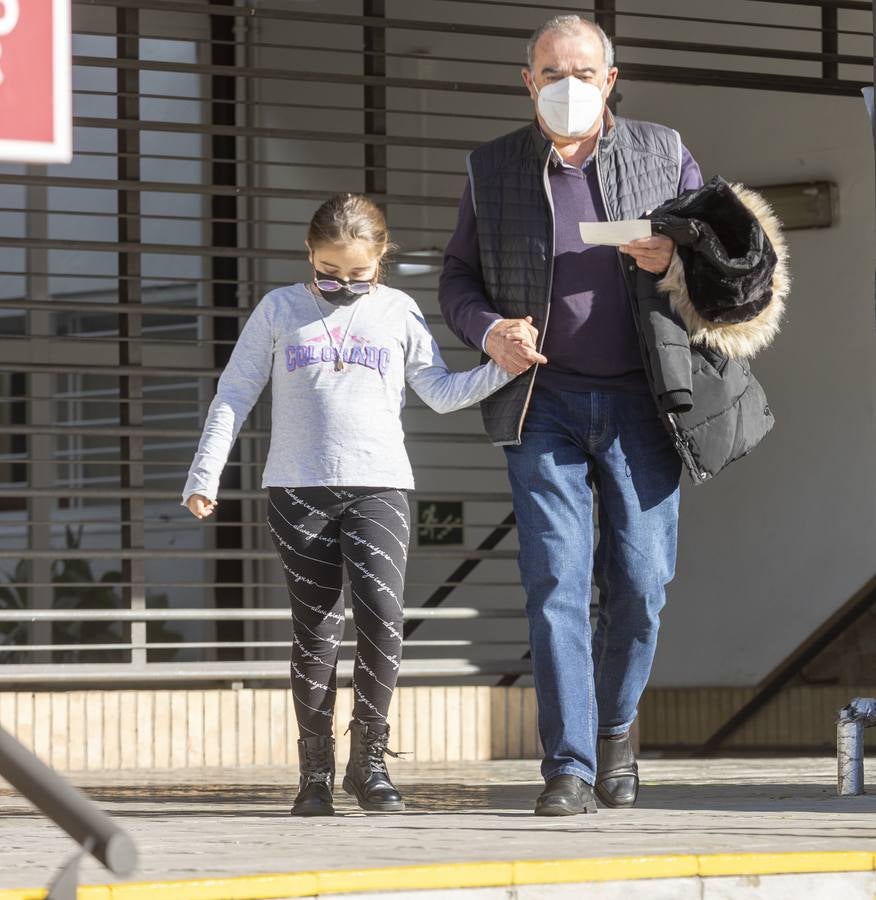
x: 729, y: 275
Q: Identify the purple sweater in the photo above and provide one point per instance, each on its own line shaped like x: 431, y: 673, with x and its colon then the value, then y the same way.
x: 591, y: 340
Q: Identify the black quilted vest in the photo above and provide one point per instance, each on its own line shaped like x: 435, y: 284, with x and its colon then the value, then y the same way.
x: 639, y: 165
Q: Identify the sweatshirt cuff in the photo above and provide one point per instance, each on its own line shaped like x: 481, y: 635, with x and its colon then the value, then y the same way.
x: 211, y: 492
x: 490, y: 327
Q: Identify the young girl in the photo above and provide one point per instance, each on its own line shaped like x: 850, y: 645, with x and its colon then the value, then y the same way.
x: 338, y: 351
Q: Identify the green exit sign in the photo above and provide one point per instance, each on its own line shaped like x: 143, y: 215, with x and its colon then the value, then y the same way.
x: 439, y: 523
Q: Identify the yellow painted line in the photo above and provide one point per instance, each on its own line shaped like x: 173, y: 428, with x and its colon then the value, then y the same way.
x: 244, y: 887
x: 413, y: 878
x: 778, y: 863
x: 626, y: 868
x: 452, y: 876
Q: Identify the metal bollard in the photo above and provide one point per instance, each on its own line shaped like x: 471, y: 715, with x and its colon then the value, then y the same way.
x: 852, y: 720
x: 68, y: 807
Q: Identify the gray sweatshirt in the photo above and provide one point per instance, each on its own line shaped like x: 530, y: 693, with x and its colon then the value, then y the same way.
x: 332, y: 427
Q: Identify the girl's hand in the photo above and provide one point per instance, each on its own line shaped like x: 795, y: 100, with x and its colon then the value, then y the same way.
x: 511, y: 344
x: 200, y: 506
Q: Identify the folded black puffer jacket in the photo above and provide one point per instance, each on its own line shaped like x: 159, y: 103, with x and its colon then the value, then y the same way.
x: 726, y: 288
x: 729, y: 275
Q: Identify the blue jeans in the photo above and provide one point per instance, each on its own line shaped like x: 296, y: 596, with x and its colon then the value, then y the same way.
x: 572, y: 443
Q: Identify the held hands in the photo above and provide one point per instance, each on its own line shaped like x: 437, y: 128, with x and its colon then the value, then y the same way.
x: 200, y: 506
x: 653, y: 254
x: 511, y: 344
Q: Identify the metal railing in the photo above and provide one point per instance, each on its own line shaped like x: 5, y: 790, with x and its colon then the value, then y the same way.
x: 70, y: 809
x: 236, y: 670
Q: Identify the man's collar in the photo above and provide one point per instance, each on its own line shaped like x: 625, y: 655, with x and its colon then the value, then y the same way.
x: 557, y: 160
x: 605, y: 127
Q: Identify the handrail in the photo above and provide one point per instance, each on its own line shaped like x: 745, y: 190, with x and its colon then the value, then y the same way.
x: 850, y: 612
x: 71, y: 810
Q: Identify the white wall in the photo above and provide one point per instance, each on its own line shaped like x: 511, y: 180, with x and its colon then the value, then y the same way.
x: 781, y: 539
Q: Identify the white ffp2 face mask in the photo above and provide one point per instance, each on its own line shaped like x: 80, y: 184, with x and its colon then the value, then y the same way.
x: 570, y: 107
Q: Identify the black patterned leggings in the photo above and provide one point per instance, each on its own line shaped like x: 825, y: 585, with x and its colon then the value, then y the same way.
x: 318, y: 532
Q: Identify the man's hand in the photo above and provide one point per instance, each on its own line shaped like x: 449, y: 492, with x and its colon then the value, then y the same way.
x: 511, y: 344
x: 200, y: 506
x: 653, y: 254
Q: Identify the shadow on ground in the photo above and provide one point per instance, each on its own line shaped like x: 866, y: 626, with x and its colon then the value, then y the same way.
x: 460, y: 799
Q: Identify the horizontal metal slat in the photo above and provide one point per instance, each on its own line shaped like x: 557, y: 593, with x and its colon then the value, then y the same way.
x: 213, y: 190
x: 110, y: 308
x: 259, y: 584
x: 749, y: 80
x: 193, y: 434
x: 227, y: 553
x: 196, y: 250
x: 304, y: 75
x: 507, y: 5
x: 36, y: 368
x: 79, y: 673
x: 380, y: 22
x: 260, y: 13
x: 619, y: 41
x: 322, y: 137
x: 737, y: 50
x: 833, y: 4
x: 255, y: 614
x: 277, y: 104
x: 631, y: 72
x: 232, y: 645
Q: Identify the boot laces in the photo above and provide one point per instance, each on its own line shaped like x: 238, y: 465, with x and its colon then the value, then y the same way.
x: 318, y: 778
x: 376, y: 748
x: 318, y: 764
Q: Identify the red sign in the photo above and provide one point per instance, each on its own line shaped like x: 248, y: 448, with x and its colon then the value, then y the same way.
x: 35, y: 90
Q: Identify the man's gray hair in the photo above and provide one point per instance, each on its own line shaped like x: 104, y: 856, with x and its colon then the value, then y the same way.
x: 571, y: 25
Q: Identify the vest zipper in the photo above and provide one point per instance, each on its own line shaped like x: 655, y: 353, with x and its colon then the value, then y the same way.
x: 547, y: 305
x: 668, y: 418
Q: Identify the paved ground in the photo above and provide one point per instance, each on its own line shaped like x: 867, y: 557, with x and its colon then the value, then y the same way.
x: 189, y: 824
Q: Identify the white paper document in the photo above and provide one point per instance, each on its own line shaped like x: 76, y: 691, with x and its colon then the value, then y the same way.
x: 614, y: 233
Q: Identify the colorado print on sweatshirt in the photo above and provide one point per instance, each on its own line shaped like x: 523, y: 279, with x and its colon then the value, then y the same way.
x: 318, y: 350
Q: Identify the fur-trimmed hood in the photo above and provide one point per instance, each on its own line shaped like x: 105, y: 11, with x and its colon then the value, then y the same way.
x: 729, y: 276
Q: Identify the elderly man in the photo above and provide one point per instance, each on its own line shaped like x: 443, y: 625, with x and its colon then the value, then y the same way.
x: 519, y: 284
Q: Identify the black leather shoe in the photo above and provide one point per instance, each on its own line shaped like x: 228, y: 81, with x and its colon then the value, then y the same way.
x: 316, y: 764
x: 617, y: 775
x: 367, y: 778
x: 565, y: 795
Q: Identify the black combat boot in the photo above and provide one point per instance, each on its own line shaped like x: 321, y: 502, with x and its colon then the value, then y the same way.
x: 316, y: 764
x: 367, y: 778
x: 617, y: 774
